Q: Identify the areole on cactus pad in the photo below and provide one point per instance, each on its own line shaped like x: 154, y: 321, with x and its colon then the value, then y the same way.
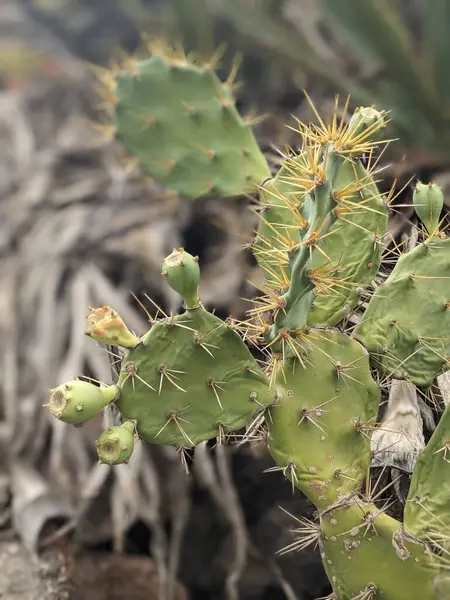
x: 320, y: 241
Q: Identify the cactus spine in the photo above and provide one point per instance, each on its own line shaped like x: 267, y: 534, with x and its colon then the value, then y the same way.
x: 191, y: 377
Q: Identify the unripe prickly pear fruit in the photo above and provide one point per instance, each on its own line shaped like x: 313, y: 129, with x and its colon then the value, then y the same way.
x: 116, y: 444
x: 182, y: 272
x: 428, y: 200
x: 106, y: 326
x: 366, y: 119
x: 78, y: 401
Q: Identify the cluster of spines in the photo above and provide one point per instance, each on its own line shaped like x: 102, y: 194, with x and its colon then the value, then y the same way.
x: 303, y: 191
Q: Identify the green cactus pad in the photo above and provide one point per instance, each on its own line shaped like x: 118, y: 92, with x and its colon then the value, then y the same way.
x: 180, y: 121
x: 191, y: 379
x: 78, y: 401
x: 116, y: 444
x: 354, y: 245
x: 364, y: 550
x: 318, y: 429
x: 427, y: 511
x: 406, y: 327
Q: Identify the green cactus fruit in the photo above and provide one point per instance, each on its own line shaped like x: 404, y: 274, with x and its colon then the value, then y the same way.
x: 78, y: 401
x: 353, y: 245
x: 180, y: 121
x: 428, y: 200
x: 368, y: 555
x: 104, y: 325
x: 191, y: 379
x: 365, y: 122
x: 116, y: 444
x: 427, y: 511
x: 406, y: 325
x: 318, y: 428
x: 183, y: 275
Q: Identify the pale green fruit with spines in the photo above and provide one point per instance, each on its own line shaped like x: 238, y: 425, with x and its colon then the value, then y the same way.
x: 428, y: 201
x: 116, y: 444
x: 79, y: 401
x: 182, y: 272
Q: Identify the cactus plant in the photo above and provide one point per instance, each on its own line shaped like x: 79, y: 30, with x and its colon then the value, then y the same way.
x: 192, y: 377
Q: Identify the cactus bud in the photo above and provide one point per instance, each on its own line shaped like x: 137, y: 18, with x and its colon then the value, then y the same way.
x: 366, y: 119
x: 428, y: 200
x: 183, y: 275
x: 116, y: 444
x: 106, y: 326
x: 78, y: 401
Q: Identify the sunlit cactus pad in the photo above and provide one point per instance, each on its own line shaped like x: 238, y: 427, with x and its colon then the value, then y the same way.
x: 318, y: 428
x: 427, y: 511
x: 406, y: 327
x: 180, y: 121
x: 191, y: 379
x: 369, y: 555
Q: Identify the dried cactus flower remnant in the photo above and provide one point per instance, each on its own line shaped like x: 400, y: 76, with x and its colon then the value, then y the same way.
x: 106, y: 326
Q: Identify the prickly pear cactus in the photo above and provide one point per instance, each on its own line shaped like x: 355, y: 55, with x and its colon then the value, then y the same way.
x: 320, y: 242
x: 180, y: 121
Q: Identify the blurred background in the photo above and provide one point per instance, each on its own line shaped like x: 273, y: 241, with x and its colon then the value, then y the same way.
x: 79, y: 226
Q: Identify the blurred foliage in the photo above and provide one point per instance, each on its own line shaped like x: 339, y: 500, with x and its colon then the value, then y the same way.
x: 391, y: 53
x: 394, y: 54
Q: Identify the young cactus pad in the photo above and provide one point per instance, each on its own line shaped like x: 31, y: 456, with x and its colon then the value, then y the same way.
x: 318, y: 428
x: 181, y: 123
x: 427, y: 511
x: 369, y: 556
x: 319, y: 237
